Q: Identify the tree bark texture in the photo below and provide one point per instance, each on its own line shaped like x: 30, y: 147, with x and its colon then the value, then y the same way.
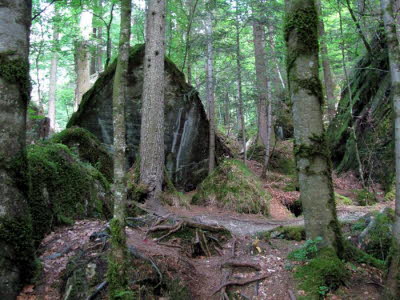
x: 53, y: 81
x: 82, y: 69
x: 152, y: 127
x: 311, y: 150
x: 210, y: 90
x: 326, y: 66
x: 117, y: 264
x: 392, y: 290
x: 262, y: 80
x: 239, y: 83
x: 15, y: 21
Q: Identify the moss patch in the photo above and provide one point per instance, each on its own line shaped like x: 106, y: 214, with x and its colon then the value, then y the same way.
x: 62, y: 188
x: 322, y: 274
x: 232, y: 185
x: 88, y: 148
x: 16, y: 71
x: 17, y: 234
x: 342, y: 200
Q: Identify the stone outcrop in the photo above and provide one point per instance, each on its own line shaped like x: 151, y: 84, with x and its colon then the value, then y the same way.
x: 372, y: 116
x: 186, y: 124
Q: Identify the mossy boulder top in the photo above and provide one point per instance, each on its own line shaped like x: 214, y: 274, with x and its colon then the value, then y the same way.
x: 232, y: 185
x: 186, y: 125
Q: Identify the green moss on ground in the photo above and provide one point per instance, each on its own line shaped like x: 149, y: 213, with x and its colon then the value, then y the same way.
x: 88, y: 148
x: 324, y: 273
x: 232, y: 185
x: 117, y: 276
x: 342, y: 200
x: 62, y: 188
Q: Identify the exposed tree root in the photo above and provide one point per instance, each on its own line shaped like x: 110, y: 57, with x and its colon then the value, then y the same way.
x: 241, y: 264
x: 240, y: 282
x: 98, y: 289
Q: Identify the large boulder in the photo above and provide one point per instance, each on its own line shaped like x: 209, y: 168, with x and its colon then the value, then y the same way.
x: 372, y: 116
x: 186, y: 125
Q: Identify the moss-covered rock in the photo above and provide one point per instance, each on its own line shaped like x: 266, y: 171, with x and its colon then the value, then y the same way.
x: 62, y: 188
x: 185, y: 121
x: 372, y: 117
x: 232, y: 185
x: 88, y: 148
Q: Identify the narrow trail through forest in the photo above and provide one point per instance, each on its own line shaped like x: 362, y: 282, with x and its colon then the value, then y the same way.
x: 203, y: 275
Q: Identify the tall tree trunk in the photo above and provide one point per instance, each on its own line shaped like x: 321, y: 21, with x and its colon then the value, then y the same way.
x: 326, y: 66
x: 239, y: 83
x: 358, y: 27
x: 152, y: 128
x: 311, y: 149
x: 82, y: 60
x: 210, y: 91
x: 262, y: 80
x: 117, y: 266
x: 82, y: 69
x: 108, y: 34
x: 53, y: 80
x: 392, y: 290
x: 15, y: 226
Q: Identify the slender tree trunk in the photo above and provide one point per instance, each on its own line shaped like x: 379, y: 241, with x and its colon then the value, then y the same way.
x: 311, y: 149
x: 15, y: 227
x: 152, y: 129
x: 326, y: 66
x: 239, y: 83
x: 108, y: 39
x: 353, y: 125
x: 82, y: 61
x: 117, y: 266
x: 392, y: 290
x: 210, y: 91
x: 358, y: 27
x: 53, y: 81
x: 262, y: 80
x: 226, y: 111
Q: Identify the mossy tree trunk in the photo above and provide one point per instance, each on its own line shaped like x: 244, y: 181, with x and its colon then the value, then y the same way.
x: 239, y: 83
x: 16, y: 247
x: 311, y: 151
x: 53, y: 77
x: 210, y: 88
x: 152, y: 126
x: 392, y: 290
x: 117, y: 276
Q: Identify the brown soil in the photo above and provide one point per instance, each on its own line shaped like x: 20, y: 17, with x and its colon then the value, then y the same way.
x: 203, y: 275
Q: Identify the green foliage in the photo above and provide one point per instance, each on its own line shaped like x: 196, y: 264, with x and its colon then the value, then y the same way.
x: 307, y: 251
x: 62, y: 188
x: 88, y: 148
x: 233, y: 185
x: 354, y: 254
x: 365, y: 197
x: 324, y: 273
x: 380, y: 236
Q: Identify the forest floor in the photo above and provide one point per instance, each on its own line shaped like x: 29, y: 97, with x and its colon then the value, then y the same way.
x: 266, y: 259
